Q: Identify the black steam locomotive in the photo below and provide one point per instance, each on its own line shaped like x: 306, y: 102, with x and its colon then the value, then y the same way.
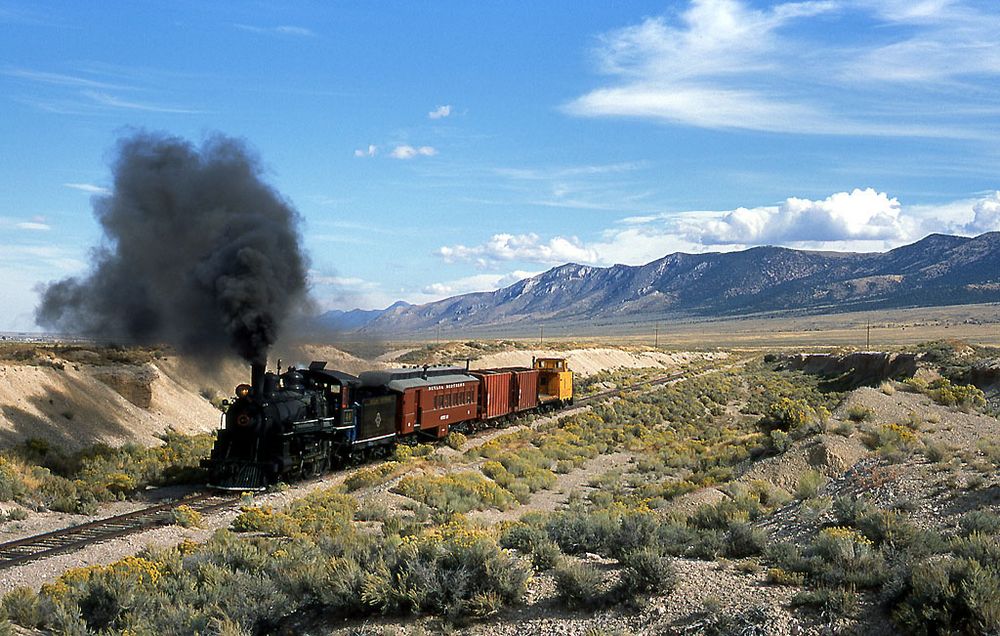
x: 297, y: 424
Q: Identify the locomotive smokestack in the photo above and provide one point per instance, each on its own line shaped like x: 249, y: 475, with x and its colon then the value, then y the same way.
x: 199, y: 252
x: 257, y: 370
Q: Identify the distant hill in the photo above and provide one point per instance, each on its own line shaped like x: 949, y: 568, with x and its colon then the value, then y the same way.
x: 340, y: 320
x: 937, y: 270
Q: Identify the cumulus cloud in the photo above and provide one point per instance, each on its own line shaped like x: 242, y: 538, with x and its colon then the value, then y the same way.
x: 521, y: 247
x: 845, y: 216
x: 859, y: 220
x: 409, y: 152
x: 986, y: 215
x: 440, y: 112
x: 370, y: 151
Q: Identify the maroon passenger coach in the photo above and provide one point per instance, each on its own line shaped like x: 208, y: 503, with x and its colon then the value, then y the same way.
x: 429, y: 401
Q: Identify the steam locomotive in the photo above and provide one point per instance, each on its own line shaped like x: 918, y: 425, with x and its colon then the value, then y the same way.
x: 303, y: 422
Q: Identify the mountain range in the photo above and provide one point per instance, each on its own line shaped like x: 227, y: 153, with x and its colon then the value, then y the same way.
x: 937, y: 270
x: 340, y: 320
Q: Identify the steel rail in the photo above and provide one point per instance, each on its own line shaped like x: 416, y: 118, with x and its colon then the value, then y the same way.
x: 42, y: 546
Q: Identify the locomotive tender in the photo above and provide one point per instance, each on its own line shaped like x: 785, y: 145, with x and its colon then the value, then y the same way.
x: 303, y: 422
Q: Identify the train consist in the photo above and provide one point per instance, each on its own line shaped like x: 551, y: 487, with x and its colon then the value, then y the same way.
x: 304, y: 422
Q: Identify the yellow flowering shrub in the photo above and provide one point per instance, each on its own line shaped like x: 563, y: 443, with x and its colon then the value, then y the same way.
x: 455, y: 492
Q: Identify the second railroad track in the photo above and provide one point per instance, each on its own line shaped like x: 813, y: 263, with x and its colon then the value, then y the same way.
x: 43, y: 546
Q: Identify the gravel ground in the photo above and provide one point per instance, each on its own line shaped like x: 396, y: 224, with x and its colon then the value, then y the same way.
x: 931, y: 494
x: 729, y: 589
x: 37, y: 573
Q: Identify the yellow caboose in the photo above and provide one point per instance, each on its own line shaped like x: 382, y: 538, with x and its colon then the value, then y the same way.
x: 555, y: 380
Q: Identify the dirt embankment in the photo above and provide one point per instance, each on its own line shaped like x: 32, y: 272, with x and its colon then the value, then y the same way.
x: 856, y: 369
x: 586, y: 362
x: 77, y: 405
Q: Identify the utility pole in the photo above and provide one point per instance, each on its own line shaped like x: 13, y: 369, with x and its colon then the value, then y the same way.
x: 868, y: 335
x: 439, y: 335
x: 541, y: 333
x: 656, y: 336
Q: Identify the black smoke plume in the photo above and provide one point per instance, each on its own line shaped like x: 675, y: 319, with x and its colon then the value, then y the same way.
x: 199, y: 253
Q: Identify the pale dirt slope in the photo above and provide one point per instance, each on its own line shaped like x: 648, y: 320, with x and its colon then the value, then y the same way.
x: 584, y: 362
x: 72, y: 408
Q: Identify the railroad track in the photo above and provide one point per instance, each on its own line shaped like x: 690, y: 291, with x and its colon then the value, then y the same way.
x: 638, y: 385
x: 45, y: 545
x: 72, y: 538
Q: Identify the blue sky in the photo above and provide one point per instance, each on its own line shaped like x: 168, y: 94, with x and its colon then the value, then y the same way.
x: 436, y: 148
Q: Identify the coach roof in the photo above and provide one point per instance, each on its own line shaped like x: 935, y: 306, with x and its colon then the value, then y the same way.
x: 402, y: 379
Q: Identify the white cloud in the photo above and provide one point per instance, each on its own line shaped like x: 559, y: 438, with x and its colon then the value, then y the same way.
x: 859, y: 220
x: 440, y: 112
x: 42, y: 261
x: 296, y: 31
x: 107, y: 99
x: 58, y: 79
x: 475, y: 283
x: 986, y: 215
x: 685, y: 73
x: 341, y: 281
x: 33, y: 225
x: 89, y: 188
x: 845, y: 216
x: 371, y: 151
x: 346, y: 292
x: 409, y: 152
x: 724, y: 64
x: 521, y: 247
x: 563, y: 172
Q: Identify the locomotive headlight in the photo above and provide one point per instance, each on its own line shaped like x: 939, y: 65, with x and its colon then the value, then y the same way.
x: 243, y: 420
x: 243, y: 390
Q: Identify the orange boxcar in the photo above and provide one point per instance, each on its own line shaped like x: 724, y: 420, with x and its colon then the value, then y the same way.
x: 495, y: 389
